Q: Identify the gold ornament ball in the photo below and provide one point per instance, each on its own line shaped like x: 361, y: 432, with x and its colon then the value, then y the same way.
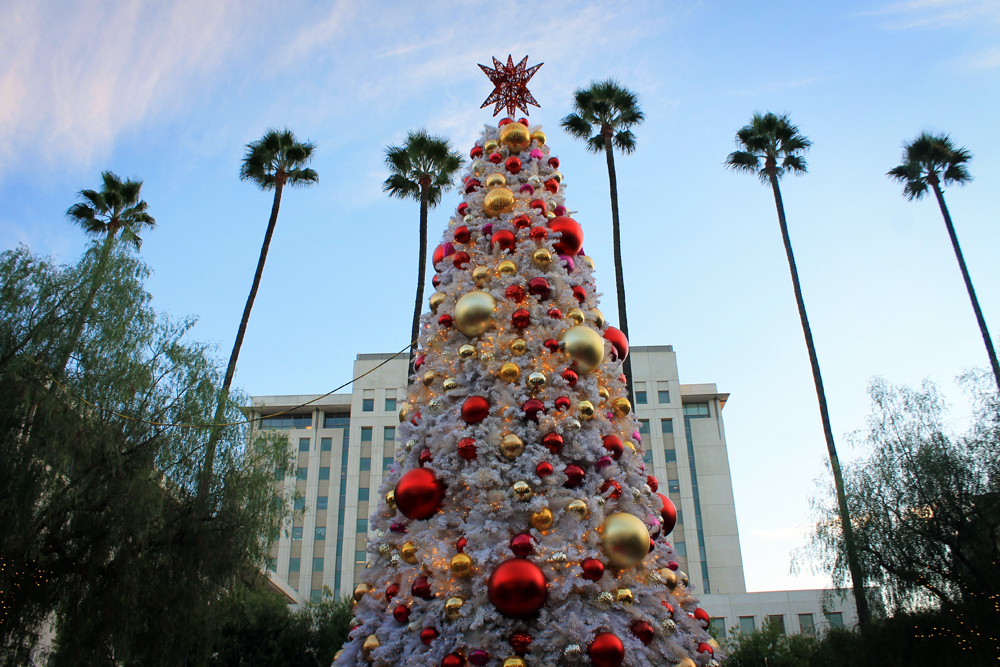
x: 624, y: 596
x: 518, y: 347
x: 557, y: 175
x: 687, y: 662
x: 514, y: 661
x: 486, y: 357
x: 410, y: 444
x: 576, y: 315
x: 682, y: 578
x: 405, y: 412
x: 714, y: 644
x: 537, y: 380
x: 495, y: 180
x: 629, y: 445
x: 604, y: 394
x: 511, y: 446
x: 539, y: 136
x: 498, y: 202
x: 474, y: 313
x: 586, y: 409
x: 479, y: 167
x: 654, y: 579
x: 510, y: 372
x: 480, y: 274
x: 384, y: 550
x: 598, y: 318
x: 453, y: 608
x: 336, y: 656
x: 621, y: 406
x: 550, y: 214
x: 408, y: 552
x: 464, y: 352
x: 588, y: 261
x: 515, y: 137
x: 506, y: 268
x: 624, y: 539
x: 429, y: 378
x: 579, y: 508
x: 542, y: 257
x: 360, y: 591
x: 449, y: 384
x: 371, y: 643
x: 522, y: 491
x: 584, y: 346
x: 461, y: 565
x: 436, y: 300
x: 542, y: 519
x: 490, y: 146
x: 390, y: 500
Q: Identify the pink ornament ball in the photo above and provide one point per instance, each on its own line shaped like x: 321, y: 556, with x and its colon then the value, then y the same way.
x: 536, y: 154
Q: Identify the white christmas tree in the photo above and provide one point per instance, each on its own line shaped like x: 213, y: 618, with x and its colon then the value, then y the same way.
x: 519, y: 526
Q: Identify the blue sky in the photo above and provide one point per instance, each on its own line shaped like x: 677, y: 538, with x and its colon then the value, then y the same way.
x: 171, y: 92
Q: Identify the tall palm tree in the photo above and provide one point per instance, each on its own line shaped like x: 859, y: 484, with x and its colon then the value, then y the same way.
x: 604, y: 116
x: 769, y: 148
x: 114, y: 212
x: 927, y: 160
x: 273, y: 161
x: 421, y: 169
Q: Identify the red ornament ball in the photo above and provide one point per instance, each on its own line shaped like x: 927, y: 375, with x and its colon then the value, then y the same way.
x: 562, y: 403
x: 654, y: 484
x: 552, y: 185
x: 652, y: 545
x: 419, y: 362
x: 477, y: 151
x: 593, y: 569
x: 574, y: 474
x: 523, y: 121
x: 462, y: 234
x: 472, y: 185
x: 517, y: 588
x: 427, y: 635
x: 571, y: 377
x: 446, y: 320
x: 614, y: 487
x: 460, y: 259
x: 513, y: 164
x: 552, y: 345
x: 460, y: 545
x: 539, y: 287
x: 531, y: 408
x: 453, y: 660
x: 669, y: 514
x: 505, y: 239
x: 613, y: 444
x: 391, y: 591
x: 425, y: 456
x: 522, y: 221
x: 555, y: 313
x: 579, y: 293
x: 538, y: 234
x: 553, y: 442
x: 554, y: 162
x: 521, y: 642
x: 505, y: 121
x: 419, y: 494
x: 543, y: 469
x: 701, y: 616
x: 496, y: 158
x: 479, y: 657
x: 571, y: 239
x: 520, y: 318
x: 538, y: 205
x: 618, y: 342
x: 467, y: 448
x: 475, y: 409
x: 705, y: 648
x: 643, y: 631
x: 515, y: 293
x: 522, y: 545
x: 421, y: 588
x: 401, y: 613
x: 443, y: 250
x: 436, y: 280
x: 606, y: 650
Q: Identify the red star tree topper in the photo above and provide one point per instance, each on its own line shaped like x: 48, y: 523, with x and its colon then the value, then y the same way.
x: 510, y: 83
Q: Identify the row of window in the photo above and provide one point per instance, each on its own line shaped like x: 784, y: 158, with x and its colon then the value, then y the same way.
x: 320, y: 534
x: 323, y: 502
x: 807, y: 623
x: 662, y: 397
x: 295, y: 564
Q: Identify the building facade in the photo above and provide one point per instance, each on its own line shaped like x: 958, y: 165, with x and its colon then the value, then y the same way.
x: 344, y: 443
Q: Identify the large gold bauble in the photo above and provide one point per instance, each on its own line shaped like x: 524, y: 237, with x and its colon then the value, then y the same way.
x: 518, y: 347
x: 408, y: 552
x: 506, y: 268
x: 522, y: 490
x: 480, y: 274
x: 495, y: 180
x: 586, y: 409
x: 436, y: 300
x: 579, y: 508
x: 429, y: 378
x: 511, y: 446
x: 584, y: 346
x: 542, y: 257
x: 453, y: 608
x: 449, y: 384
x: 465, y: 352
x: 360, y: 591
x: 515, y: 137
x: 537, y: 380
x: 621, y: 406
x: 588, y: 261
x: 461, y: 565
x: 603, y: 393
x: 490, y: 146
x: 371, y: 643
x: 624, y: 596
x: 598, y: 318
x: 682, y: 579
x: 336, y: 656
x: 510, y: 372
x: 474, y: 313
x: 498, y: 202
x: 542, y: 519
x: 514, y: 661
x: 539, y: 136
x: 624, y: 539
x: 405, y: 412
x: 575, y: 315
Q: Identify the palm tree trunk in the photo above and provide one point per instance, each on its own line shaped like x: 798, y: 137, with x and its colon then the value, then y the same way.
x: 854, y: 565
x: 421, y: 277
x: 88, y: 305
x: 619, y: 275
x: 968, y: 284
x: 220, y: 410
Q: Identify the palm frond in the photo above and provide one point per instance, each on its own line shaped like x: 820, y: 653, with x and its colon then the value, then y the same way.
x: 278, y: 150
x: 743, y: 161
x: 596, y: 144
x: 795, y: 164
x: 305, y: 176
x: 576, y: 126
x: 624, y: 141
x: 956, y: 173
x: 401, y: 187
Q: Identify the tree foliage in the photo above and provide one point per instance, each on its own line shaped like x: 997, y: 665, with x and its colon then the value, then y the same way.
x: 605, y: 109
x: 769, y: 646
x: 422, y: 162
x: 774, y: 140
x: 929, y: 159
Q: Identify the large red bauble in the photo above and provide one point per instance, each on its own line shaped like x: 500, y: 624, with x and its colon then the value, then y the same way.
x: 443, y: 250
x: 654, y: 485
x: 517, y: 588
x: 538, y: 205
x: 520, y: 318
x: 475, y: 409
x: 539, y: 287
x: 552, y: 345
x: 669, y: 514
x: 614, y: 486
x: 553, y: 441
x: 463, y: 208
x: 643, y: 631
x: 446, y: 320
x: 575, y: 475
x: 572, y: 235
x: 419, y: 362
x: 562, y: 403
x: 467, y: 448
x: 706, y: 648
x: 593, y: 569
x: 505, y: 121
x: 460, y: 259
x: 479, y: 657
x: 613, y: 444
x: 701, y: 616
x: 571, y: 377
x: 543, y: 469
x: 503, y: 238
x: 606, y: 650
x: 391, y: 591
x: 554, y: 162
x: 461, y: 544
x: 462, y: 234
x: 531, y: 408
x: 425, y: 456
x: 496, y: 158
x: 515, y: 293
x: 436, y: 280
x: 552, y: 185
x: 472, y: 185
x: 580, y: 293
x: 427, y: 635
x: 522, y: 221
x: 419, y: 494
x: 513, y: 164
x: 522, y: 545
x: 477, y: 151
x: 453, y: 660
x: 618, y: 341
x: 401, y: 613
x: 421, y: 588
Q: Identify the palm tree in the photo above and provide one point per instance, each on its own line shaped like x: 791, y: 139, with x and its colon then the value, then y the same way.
x: 114, y: 212
x: 604, y: 116
x: 273, y: 161
x: 421, y: 169
x: 926, y: 161
x: 770, y: 138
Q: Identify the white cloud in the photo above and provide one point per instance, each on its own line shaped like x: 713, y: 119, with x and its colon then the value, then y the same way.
x: 935, y: 13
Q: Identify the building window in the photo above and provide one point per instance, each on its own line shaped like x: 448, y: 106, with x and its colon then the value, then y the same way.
x: 297, y: 532
x: 386, y: 462
x: 337, y: 420
x: 272, y: 564
x: 835, y: 619
x: 279, y: 474
x: 667, y: 426
x: 806, y: 625
x: 670, y: 455
x: 316, y: 596
x: 366, y: 463
x: 302, y: 474
x: 360, y: 557
x: 299, y: 504
x: 317, y: 564
x: 647, y: 457
x: 366, y: 434
x: 390, y: 405
x: 362, y: 494
x: 640, y: 398
x: 362, y: 525
x: 662, y: 396
x: 674, y: 485
x: 389, y: 434
x: 286, y: 421
x: 324, y: 473
x: 719, y: 624
x: 325, y: 444
x: 294, y: 564
x: 778, y: 621
x: 746, y: 624
x: 643, y: 428
x: 368, y: 405
x: 320, y: 533
x: 303, y: 444
x: 696, y: 409
x: 321, y: 502
x: 681, y: 549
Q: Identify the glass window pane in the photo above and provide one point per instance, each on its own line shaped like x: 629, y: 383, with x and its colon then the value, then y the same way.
x: 389, y: 433
x: 806, y: 625
x: 390, y: 405
x: 317, y: 564
x: 324, y: 473
x: 719, y: 625
x: 647, y: 457
x: 644, y: 427
x: 316, y: 596
x: 386, y: 462
x: 362, y: 494
x: 681, y: 549
x: 297, y: 532
x: 670, y: 455
x: 778, y: 621
x: 337, y: 420
x: 325, y: 444
x: 320, y: 533
x: 366, y: 463
x: 368, y: 405
x: 746, y: 624
x: 640, y: 398
x: 836, y: 619
x: 321, y: 502
x: 366, y: 434
x: 360, y: 557
x: 667, y: 425
x: 362, y: 525
x: 663, y: 397
x: 302, y: 474
x: 696, y: 409
x: 299, y: 504
x: 303, y: 444
x: 674, y: 485
x: 294, y: 564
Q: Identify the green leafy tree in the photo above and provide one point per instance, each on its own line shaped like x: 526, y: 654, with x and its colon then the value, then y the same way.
x: 769, y: 148
x: 422, y: 169
x: 604, y: 116
x: 927, y: 161
x: 275, y: 160
x: 114, y: 212
x: 769, y: 646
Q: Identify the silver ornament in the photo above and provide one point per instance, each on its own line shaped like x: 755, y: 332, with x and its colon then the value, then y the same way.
x: 401, y: 457
x: 468, y: 218
x: 559, y: 557
x: 600, y: 501
x: 636, y: 493
x: 668, y: 626
x: 573, y: 425
x: 712, y: 663
x: 486, y: 357
x: 646, y: 491
x: 573, y: 651
x: 436, y: 406
x: 605, y: 600
x: 384, y: 550
x: 394, y: 561
x: 379, y: 533
x: 410, y: 444
x: 535, y: 180
x: 654, y: 579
